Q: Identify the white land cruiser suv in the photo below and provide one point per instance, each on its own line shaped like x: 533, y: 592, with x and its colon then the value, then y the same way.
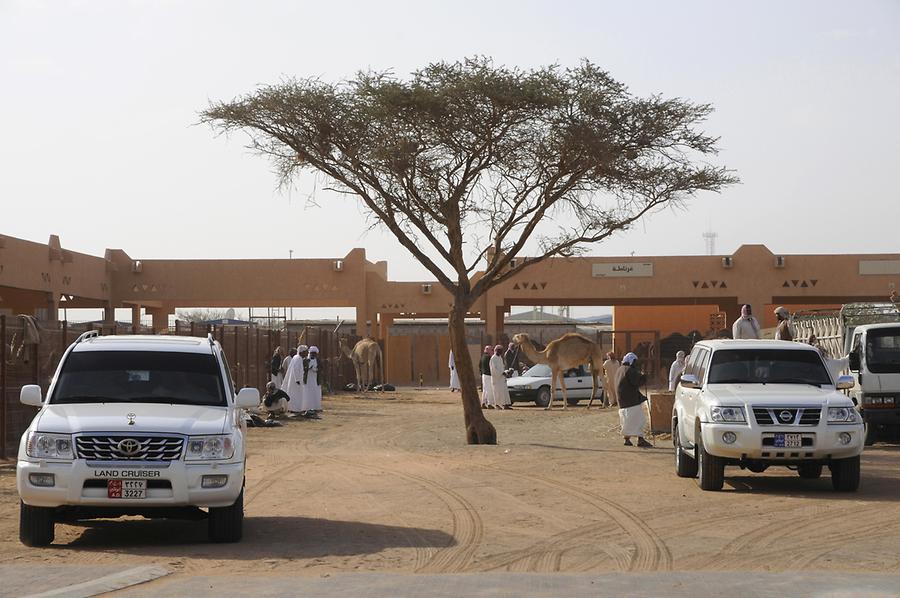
x: 135, y: 425
x: 761, y: 403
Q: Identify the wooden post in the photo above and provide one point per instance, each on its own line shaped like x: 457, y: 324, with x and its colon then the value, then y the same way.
x: 3, y: 387
x: 65, y: 337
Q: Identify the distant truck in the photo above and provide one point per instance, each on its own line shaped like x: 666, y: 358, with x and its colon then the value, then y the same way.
x: 867, y: 336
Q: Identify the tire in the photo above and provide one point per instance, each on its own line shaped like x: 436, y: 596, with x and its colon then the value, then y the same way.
x: 685, y: 465
x: 810, y: 471
x: 226, y: 524
x: 710, y: 467
x: 36, y: 525
x: 845, y: 474
x: 543, y: 396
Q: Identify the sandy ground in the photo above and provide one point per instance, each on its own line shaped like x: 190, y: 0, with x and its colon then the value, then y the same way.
x: 386, y: 484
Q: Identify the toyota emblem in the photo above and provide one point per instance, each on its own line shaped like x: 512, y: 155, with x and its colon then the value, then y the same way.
x: 786, y: 416
x: 129, y: 447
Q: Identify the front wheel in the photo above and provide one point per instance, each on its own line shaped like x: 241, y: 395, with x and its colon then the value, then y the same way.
x: 845, y: 474
x: 226, y: 524
x: 711, y: 468
x: 685, y: 465
x: 36, y: 525
x: 543, y: 396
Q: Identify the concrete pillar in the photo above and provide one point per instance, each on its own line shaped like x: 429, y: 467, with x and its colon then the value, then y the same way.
x: 362, y: 325
x: 52, y: 306
x: 384, y: 334
x: 160, y: 317
x: 493, y: 323
x: 109, y: 313
x: 135, y: 318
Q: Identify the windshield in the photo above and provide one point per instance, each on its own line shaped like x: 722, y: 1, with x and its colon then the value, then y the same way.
x: 139, y: 377
x: 540, y: 370
x: 767, y: 366
x: 883, y: 350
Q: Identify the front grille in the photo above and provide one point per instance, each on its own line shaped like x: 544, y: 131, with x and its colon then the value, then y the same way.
x: 787, y: 416
x: 118, y: 448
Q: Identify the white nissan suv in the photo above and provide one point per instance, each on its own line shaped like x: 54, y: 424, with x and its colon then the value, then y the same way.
x: 759, y: 403
x: 135, y: 425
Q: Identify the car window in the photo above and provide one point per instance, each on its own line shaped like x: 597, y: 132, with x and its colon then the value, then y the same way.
x: 702, y: 362
x: 538, y: 371
x: 883, y: 350
x: 139, y: 377
x: 228, y: 373
x: 767, y: 366
x: 691, y: 366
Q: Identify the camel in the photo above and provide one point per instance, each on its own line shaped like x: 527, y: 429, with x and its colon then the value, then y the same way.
x: 568, y: 351
x: 363, y: 357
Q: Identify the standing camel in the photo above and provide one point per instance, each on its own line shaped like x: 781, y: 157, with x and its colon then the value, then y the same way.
x: 363, y: 357
x: 568, y: 351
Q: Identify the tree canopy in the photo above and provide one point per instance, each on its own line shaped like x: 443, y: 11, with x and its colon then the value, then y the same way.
x: 468, y: 162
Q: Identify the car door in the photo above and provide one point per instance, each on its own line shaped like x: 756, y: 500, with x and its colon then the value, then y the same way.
x: 690, y: 397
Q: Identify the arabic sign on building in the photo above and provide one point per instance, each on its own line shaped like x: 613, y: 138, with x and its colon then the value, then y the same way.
x: 876, y: 267
x: 620, y: 270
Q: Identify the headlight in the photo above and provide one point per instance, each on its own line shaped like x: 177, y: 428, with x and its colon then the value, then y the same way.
x: 727, y: 414
x: 49, y: 446
x: 202, y: 448
x: 842, y: 415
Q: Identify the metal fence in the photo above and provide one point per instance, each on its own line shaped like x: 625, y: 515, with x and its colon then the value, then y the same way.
x: 32, y: 359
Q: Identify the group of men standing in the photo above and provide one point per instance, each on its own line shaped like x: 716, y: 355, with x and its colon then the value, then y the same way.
x: 296, y: 384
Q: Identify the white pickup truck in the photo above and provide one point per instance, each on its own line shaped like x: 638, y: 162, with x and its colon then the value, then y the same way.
x: 135, y: 425
x: 755, y: 404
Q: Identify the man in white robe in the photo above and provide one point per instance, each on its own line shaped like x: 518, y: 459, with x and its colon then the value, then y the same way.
x: 676, y: 370
x: 746, y: 326
x: 610, y: 368
x: 498, y: 380
x: 312, y: 389
x: 454, y: 375
x: 631, y: 401
x: 293, y: 380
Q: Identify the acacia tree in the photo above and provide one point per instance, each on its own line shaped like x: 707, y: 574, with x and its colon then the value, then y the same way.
x: 469, y: 161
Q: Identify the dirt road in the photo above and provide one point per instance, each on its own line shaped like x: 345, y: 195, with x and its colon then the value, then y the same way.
x: 386, y: 484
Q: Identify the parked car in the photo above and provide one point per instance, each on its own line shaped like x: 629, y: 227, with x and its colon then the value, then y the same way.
x: 135, y: 425
x: 756, y: 404
x: 534, y: 385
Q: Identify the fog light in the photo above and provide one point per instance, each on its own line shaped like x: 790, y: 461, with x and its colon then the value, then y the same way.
x: 214, y: 481
x: 42, y: 479
x: 845, y: 437
x: 729, y: 437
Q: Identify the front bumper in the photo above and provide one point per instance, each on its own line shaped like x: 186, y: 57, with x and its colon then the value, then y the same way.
x: 172, y: 484
x: 518, y: 395
x: 821, y: 442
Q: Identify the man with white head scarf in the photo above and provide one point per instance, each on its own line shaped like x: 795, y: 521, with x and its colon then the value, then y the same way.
x: 747, y: 326
x: 676, y: 370
x: 783, y: 331
x: 487, y: 391
x: 312, y: 385
x: 454, y: 375
x: 498, y: 380
x: 293, y: 380
x: 631, y: 401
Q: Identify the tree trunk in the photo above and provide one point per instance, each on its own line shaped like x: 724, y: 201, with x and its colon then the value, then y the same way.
x: 478, y: 429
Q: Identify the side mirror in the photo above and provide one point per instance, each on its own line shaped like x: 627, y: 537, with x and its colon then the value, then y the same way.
x: 247, y: 398
x: 853, y: 360
x: 845, y: 383
x: 690, y: 381
x: 31, y: 395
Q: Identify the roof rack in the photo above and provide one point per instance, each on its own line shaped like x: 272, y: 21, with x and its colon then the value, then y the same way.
x: 86, y: 335
x: 210, y: 338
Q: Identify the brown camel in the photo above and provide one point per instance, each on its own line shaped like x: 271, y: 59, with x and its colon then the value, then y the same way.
x: 363, y: 357
x: 568, y: 351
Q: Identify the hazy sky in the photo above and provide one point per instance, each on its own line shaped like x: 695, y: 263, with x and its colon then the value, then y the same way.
x: 98, y: 141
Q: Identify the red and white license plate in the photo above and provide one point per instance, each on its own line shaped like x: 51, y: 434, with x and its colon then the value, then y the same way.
x: 126, y: 488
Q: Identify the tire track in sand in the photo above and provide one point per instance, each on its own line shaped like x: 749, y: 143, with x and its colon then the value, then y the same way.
x: 651, y: 552
x: 468, y: 528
